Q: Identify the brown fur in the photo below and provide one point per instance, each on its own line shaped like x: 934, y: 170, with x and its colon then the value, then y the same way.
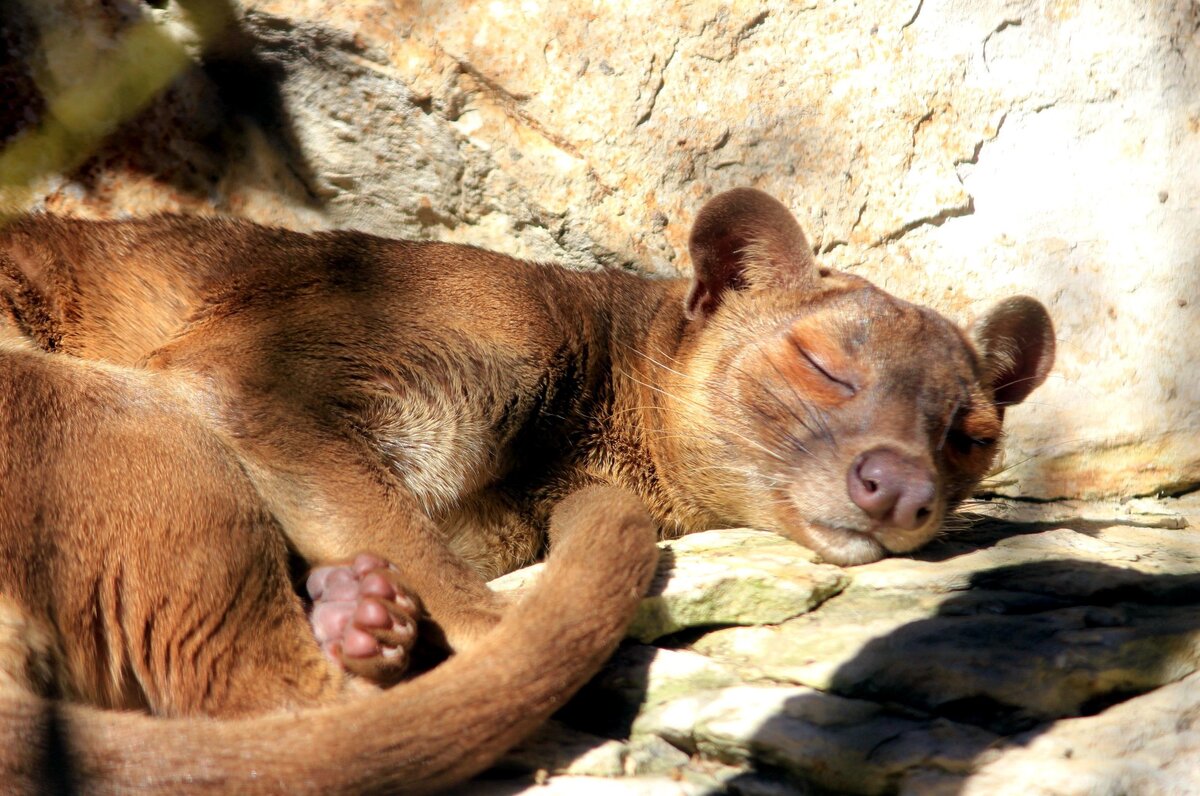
x: 434, y: 402
x: 140, y: 569
x: 473, y: 389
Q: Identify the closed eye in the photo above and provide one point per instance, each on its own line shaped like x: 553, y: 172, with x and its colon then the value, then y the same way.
x: 964, y: 443
x: 824, y: 371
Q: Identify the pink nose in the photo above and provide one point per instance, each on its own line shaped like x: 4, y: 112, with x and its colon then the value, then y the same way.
x: 892, y: 488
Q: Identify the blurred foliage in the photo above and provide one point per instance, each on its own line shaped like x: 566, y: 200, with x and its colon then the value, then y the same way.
x: 120, y: 81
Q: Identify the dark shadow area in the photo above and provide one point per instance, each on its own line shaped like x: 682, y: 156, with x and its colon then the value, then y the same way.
x: 192, y: 133
x: 58, y: 770
x: 21, y: 103
x: 1026, y: 645
x: 1023, y: 646
x: 984, y: 531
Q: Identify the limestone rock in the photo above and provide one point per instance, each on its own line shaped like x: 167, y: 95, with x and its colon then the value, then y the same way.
x: 732, y: 578
x: 588, y: 786
x: 1055, y: 654
x: 559, y: 748
x: 1038, y: 626
x: 1149, y: 745
x: 737, y: 577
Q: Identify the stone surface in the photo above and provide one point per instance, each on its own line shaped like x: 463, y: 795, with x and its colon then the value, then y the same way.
x: 723, y: 578
x: 955, y: 152
x: 1056, y: 651
x: 1147, y: 746
x: 735, y: 578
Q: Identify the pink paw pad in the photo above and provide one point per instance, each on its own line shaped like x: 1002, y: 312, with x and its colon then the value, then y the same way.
x: 362, y: 618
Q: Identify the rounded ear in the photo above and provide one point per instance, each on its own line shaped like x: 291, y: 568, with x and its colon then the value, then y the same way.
x: 745, y: 239
x: 1015, y: 340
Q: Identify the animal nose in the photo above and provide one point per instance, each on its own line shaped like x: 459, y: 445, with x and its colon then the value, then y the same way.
x: 892, y: 488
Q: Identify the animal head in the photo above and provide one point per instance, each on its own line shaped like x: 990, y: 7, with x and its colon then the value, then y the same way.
x: 816, y: 405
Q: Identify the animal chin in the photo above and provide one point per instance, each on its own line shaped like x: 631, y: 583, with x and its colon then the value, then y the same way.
x: 898, y: 540
x: 841, y: 546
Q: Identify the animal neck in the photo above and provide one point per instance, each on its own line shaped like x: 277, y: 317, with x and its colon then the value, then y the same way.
x: 647, y: 336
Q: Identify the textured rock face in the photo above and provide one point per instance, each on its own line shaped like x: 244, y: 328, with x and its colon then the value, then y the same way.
x: 735, y: 578
x: 955, y: 152
x: 1046, y: 651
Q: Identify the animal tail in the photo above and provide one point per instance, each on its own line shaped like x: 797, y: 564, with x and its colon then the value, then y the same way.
x: 420, y: 736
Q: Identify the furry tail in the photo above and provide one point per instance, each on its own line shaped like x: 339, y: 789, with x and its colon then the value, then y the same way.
x: 420, y: 736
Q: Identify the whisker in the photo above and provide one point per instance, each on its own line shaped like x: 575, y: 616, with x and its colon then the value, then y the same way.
x: 997, y: 387
x: 791, y: 437
x: 679, y: 373
x: 779, y: 436
x: 813, y: 415
x: 654, y: 361
x: 1050, y: 404
x: 755, y: 443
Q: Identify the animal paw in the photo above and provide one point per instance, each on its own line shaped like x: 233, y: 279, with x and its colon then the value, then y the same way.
x: 363, y: 618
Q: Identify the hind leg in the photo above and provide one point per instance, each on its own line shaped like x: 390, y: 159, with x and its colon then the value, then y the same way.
x: 267, y: 653
x: 134, y: 539
x: 226, y: 634
x: 356, y: 637
x: 363, y: 617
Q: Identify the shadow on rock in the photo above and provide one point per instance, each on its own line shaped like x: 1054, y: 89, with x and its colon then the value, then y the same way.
x: 984, y: 531
x: 1026, y: 645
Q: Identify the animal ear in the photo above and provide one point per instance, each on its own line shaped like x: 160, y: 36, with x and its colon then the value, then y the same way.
x: 743, y: 239
x: 1016, y: 341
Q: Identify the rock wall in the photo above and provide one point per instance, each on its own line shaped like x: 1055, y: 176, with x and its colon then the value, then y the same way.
x: 955, y: 152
